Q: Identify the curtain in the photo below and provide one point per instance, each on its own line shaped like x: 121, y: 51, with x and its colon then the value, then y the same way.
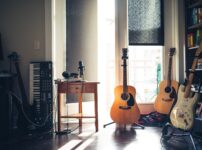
x: 145, y: 22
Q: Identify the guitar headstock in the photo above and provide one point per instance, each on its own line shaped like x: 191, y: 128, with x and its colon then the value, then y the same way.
x: 171, y: 52
x: 14, y: 56
x: 199, y: 50
x: 125, y: 53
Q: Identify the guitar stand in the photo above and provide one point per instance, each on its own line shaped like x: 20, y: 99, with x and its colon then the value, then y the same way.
x: 107, y: 124
x: 134, y: 126
x: 166, y: 135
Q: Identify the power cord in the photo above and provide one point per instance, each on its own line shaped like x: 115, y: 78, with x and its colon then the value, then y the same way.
x: 24, y: 113
x: 67, y: 131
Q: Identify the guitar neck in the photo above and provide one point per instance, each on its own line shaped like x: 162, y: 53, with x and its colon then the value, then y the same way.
x: 169, y: 72
x: 191, y: 77
x: 20, y: 82
x: 125, y: 89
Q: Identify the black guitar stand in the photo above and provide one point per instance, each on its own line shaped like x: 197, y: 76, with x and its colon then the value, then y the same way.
x: 169, y: 131
x: 134, y: 125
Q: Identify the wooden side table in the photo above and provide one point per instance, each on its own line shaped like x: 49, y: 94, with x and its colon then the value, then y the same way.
x: 66, y: 87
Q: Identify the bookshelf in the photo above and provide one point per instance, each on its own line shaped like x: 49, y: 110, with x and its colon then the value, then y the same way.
x: 193, y: 34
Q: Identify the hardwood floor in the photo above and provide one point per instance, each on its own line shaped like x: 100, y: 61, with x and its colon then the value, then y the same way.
x: 109, y: 137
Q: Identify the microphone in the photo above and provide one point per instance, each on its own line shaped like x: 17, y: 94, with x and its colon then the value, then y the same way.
x: 81, y: 69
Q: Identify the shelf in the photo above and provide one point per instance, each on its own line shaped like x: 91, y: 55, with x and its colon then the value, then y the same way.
x: 193, y: 48
x: 197, y: 69
x: 196, y: 91
x: 195, y: 26
x: 197, y: 4
x: 78, y: 115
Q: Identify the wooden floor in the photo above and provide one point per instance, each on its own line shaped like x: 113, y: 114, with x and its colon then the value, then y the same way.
x: 109, y: 138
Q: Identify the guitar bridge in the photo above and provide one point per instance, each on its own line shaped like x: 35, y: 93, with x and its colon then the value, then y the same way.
x: 124, y: 107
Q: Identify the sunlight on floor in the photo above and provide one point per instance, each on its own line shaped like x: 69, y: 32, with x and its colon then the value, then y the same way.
x: 71, y: 144
x: 86, y: 140
x: 85, y: 144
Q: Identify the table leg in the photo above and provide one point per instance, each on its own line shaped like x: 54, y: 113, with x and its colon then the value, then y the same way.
x: 59, y: 112
x: 80, y: 111
x: 96, y: 110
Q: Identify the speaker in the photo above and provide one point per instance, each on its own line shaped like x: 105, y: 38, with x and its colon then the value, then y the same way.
x: 5, y: 109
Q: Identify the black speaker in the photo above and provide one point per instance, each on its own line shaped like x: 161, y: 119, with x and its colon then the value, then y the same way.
x: 5, y: 108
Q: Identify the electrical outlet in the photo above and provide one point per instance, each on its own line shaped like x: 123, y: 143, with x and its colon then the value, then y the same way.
x: 36, y: 44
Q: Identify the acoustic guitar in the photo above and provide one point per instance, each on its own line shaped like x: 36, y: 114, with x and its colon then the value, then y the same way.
x: 125, y: 109
x: 182, y: 114
x: 167, y: 90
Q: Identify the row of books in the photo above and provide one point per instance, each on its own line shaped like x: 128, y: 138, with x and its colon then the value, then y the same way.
x: 194, y: 38
x: 196, y: 16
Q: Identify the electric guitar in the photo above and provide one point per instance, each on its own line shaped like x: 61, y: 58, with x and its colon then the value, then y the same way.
x: 125, y: 109
x: 182, y: 114
x: 167, y: 90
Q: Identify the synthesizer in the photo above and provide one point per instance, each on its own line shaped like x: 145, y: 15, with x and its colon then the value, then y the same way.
x: 40, y: 93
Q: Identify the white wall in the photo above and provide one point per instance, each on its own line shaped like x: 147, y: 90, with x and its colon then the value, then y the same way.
x: 59, y: 37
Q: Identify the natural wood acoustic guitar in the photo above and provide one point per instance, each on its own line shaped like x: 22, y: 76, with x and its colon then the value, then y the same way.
x: 182, y: 114
x: 167, y: 90
x: 125, y: 109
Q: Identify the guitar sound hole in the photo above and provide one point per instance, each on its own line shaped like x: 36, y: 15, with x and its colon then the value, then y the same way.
x: 168, y: 89
x: 124, y: 96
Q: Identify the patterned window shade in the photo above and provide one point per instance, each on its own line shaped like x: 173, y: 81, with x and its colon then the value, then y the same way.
x: 145, y: 22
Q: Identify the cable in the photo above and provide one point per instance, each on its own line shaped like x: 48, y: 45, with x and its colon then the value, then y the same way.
x: 25, y: 115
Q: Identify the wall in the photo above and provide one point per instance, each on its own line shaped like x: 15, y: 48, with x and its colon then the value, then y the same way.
x: 22, y: 25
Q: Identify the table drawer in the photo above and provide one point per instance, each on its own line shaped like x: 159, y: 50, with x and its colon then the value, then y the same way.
x: 69, y: 88
x: 74, y: 89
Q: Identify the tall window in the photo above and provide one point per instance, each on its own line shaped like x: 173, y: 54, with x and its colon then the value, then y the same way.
x: 146, y: 37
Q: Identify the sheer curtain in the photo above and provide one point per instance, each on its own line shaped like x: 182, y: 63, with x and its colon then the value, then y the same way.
x: 106, y: 57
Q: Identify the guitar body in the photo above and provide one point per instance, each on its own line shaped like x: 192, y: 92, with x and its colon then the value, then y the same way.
x: 182, y: 114
x: 125, y: 111
x: 166, y: 97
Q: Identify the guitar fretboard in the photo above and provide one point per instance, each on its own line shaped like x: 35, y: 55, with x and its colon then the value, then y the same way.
x: 125, y: 89
x: 169, y: 72
x: 191, y: 75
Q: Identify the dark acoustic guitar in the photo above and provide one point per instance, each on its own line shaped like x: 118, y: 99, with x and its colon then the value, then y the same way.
x: 125, y: 109
x: 168, y: 90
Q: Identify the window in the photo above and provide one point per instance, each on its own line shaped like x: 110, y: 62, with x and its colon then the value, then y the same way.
x: 145, y: 71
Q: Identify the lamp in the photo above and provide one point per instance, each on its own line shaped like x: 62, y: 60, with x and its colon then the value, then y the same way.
x: 1, y: 49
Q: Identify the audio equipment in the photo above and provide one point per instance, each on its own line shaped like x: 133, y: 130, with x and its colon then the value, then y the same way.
x: 81, y: 69
x: 41, y: 96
